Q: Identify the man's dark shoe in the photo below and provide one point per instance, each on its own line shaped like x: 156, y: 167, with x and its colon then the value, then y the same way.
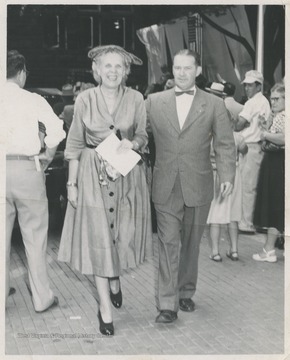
x: 166, y: 317
x: 12, y: 291
x: 54, y: 304
x: 186, y: 305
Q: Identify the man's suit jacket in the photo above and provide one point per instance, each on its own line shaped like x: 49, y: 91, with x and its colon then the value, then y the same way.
x: 187, y: 151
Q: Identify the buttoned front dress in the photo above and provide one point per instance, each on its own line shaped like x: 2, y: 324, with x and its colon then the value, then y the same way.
x: 110, y: 229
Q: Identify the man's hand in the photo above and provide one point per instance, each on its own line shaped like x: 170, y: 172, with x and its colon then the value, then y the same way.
x: 226, y: 188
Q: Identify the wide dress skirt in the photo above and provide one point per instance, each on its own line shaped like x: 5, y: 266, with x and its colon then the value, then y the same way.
x: 110, y: 230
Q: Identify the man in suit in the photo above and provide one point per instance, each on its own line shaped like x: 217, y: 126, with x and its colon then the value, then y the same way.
x: 184, y: 120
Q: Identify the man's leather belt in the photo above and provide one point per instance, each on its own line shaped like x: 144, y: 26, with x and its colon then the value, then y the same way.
x: 91, y: 146
x: 19, y: 157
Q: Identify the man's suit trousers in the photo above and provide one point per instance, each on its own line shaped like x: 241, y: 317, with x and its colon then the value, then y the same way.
x: 180, y: 230
x: 26, y: 197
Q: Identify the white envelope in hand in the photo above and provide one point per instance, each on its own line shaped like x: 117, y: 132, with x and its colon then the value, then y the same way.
x: 123, y: 162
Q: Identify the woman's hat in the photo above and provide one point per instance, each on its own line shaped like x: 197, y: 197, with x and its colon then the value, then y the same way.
x: 104, y: 49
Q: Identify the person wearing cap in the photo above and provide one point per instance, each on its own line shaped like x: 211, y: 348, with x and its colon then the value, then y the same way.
x: 256, y: 111
x: 25, y: 178
x: 107, y: 225
x: 183, y: 121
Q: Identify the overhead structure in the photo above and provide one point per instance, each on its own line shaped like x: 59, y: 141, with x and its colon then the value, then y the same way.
x: 163, y: 41
x: 260, y: 40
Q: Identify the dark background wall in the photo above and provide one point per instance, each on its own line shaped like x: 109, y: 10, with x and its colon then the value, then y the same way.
x: 55, y: 39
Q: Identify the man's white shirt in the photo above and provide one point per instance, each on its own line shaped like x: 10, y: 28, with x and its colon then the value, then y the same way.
x: 22, y: 111
x: 183, y: 105
x: 254, y: 110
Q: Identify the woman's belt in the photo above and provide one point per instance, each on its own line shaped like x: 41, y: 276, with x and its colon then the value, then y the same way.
x: 91, y: 146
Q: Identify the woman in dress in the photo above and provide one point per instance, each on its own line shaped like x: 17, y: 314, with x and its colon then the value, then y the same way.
x: 107, y: 225
x: 226, y: 212
x: 270, y: 201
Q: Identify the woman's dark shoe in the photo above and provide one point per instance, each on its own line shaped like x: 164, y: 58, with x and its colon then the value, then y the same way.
x: 105, y: 328
x: 117, y: 299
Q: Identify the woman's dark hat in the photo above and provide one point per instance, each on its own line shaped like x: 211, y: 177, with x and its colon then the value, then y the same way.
x: 104, y: 49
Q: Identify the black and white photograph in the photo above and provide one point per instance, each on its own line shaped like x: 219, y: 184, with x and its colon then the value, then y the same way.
x: 143, y: 179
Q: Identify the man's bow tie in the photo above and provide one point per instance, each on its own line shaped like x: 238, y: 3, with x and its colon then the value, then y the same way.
x: 189, y: 92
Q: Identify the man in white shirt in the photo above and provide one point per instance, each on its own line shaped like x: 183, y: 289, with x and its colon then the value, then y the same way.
x: 25, y: 178
x: 256, y: 110
x: 184, y: 120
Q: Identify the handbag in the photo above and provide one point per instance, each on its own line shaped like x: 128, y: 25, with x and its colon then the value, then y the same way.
x: 280, y: 241
x: 268, y: 146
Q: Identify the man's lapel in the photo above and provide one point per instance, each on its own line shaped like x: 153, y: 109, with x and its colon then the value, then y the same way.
x: 196, y: 110
x: 169, y: 108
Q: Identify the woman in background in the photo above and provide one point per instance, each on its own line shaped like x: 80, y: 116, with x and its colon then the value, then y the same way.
x: 226, y: 212
x: 270, y: 201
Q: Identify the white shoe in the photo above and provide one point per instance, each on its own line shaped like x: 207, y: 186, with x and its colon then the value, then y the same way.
x: 269, y: 256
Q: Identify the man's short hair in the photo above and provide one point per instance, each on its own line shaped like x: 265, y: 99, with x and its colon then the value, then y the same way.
x: 192, y: 53
x: 15, y: 63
